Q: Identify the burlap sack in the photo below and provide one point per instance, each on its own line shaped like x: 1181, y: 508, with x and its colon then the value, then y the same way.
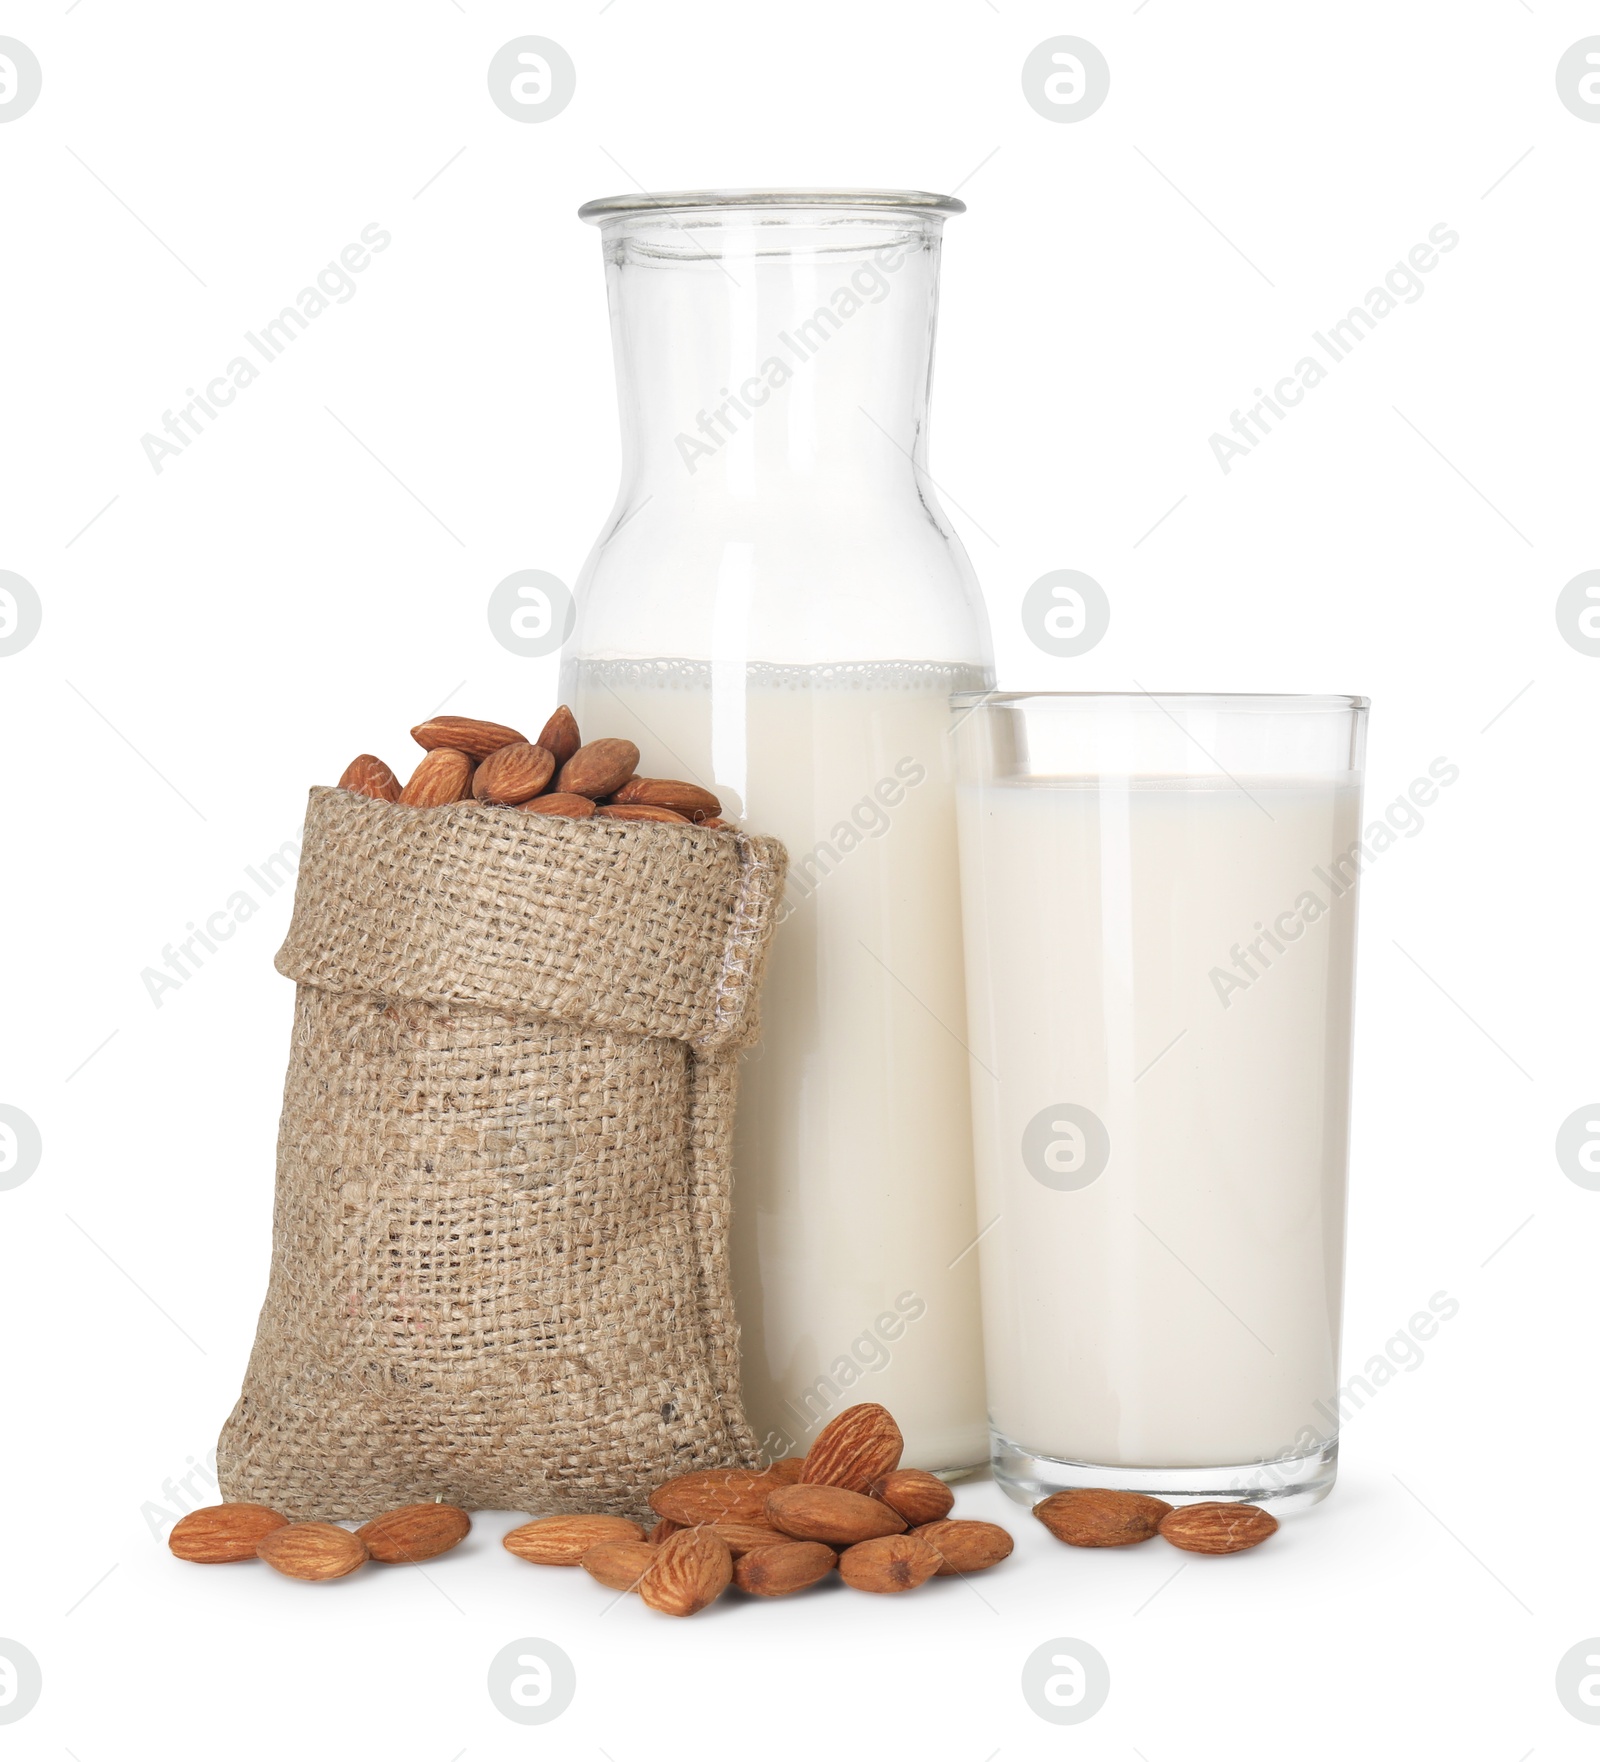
x: 499, y: 1267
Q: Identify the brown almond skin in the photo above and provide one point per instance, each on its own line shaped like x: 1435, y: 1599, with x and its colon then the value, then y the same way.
x: 638, y: 811
x: 1218, y: 1527
x: 598, y: 769
x: 690, y: 1570
x: 415, y: 1532
x: 313, y: 1551
x: 719, y: 1495
x: 476, y: 739
x: 444, y: 776
x: 559, y: 737
x: 890, y: 1563
x: 741, y: 1538
x: 714, y: 825
x: 618, y: 1565
x: 367, y: 775
x: 831, y: 1514
x: 918, y: 1496
x: 783, y: 1567
x: 664, y: 1527
x: 1100, y: 1517
x: 853, y: 1450
x: 687, y: 799
x: 219, y: 1534
x: 966, y: 1544
x: 566, y: 807
x: 563, y: 1541
x: 513, y: 774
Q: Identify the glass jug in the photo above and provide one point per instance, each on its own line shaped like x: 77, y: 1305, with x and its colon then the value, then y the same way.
x: 777, y: 608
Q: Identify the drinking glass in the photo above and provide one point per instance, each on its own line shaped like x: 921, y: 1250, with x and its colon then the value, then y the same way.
x: 1159, y: 898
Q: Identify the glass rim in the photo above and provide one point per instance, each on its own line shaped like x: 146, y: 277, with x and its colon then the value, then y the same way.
x: 603, y: 208
x: 1277, y: 701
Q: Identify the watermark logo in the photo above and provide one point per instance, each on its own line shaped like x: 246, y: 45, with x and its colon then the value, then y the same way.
x: 21, y: 614
x: 334, y: 285
x: 1066, y: 79
x: 1402, y: 285
x: 1065, y: 1147
x: 532, y: 1681
x: 20, y: 79
x: 1577, y: 610
x: 1578, y: 1674
x: 870, y: 817
x: 532, y: 79
x: 20, y: 1681
x: 1066, y: 1681
x: 1578, y: 79
x: 1402, y: 818
x: 532, y: 613
x: 20, y: 1147
x: 1577, y: 1147
x: 869, y: 1351
x: 1065, y: 613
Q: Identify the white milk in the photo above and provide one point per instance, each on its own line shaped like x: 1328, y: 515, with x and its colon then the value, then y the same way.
x: 853, y: 1187
x: 1182, y: 1309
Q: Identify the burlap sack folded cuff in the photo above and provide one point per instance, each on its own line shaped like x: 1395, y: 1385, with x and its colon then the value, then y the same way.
x: 499, y: 1270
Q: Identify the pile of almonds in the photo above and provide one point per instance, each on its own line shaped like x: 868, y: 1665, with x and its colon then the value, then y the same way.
x: 848, y: 1505
x: 1100, y: 1517
x: 223, y: 1533
x: 559, y: 773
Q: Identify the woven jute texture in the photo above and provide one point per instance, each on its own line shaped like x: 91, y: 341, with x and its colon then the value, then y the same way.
x: 499, y: 1266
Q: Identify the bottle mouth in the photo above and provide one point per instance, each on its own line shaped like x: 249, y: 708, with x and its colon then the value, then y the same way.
x: 605, y: 208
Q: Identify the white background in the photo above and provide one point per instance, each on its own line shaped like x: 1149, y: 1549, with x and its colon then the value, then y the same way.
x: 231, y: 630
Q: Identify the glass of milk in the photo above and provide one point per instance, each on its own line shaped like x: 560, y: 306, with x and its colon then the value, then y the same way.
x: 1159, y: 899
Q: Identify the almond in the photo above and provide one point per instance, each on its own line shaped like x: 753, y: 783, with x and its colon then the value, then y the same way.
x: 638, y: 811
x: 716, y: 825
x: 858, y: 1447
x: 1217, y: 1527
x: 783, y: 1567
x: 918, y: 1496
x: 443, y: 777
x: 220, y: 1533
x: 312, y: 1551
x: 600, y: 768
x: 563, y: 1541
x: 559, y: 737
x: 889, y: 1563
x: 568, y: 807
x: 966, y: 1544
x: 690, y: 1570
x: 618, y: 1565
x: 664, y: 1527
x: 831, y: 1514
x: 415, y: 1532
x: 513, y: 774
x: 687, y: 799
x: 719, y: 1495
x: 1100, y: 1517
x: 366, y: 775
x: 740, y: 1538
x: 476, y: 739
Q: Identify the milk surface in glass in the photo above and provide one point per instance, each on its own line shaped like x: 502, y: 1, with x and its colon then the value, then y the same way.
x: 1173, y: 954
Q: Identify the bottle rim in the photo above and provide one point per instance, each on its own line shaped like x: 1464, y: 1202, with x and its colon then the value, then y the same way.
x: 604, y: 208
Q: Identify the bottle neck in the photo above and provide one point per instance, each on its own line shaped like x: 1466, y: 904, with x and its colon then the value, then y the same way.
x: 773, y: 358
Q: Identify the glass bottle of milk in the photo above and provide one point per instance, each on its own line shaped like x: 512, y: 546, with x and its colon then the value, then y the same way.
x: 778, y: 608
